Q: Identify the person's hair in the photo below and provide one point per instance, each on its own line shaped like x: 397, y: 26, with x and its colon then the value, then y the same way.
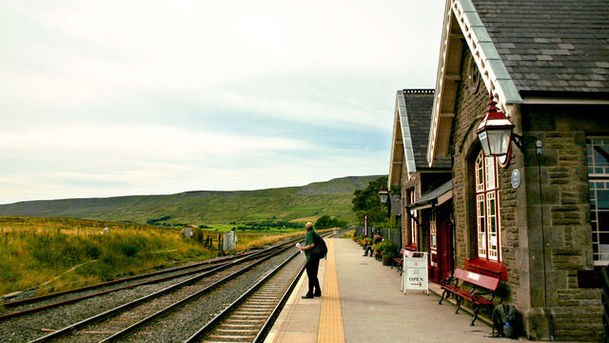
x: 309, y: 226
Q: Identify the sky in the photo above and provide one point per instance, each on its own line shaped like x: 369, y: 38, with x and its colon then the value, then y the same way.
x: 110, y: 98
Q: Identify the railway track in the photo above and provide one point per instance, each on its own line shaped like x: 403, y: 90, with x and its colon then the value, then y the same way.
x: 184, y: 306
x: 39, y: 303
x: 249, y: 317
x: 137, y: 318
x: 129, y: 311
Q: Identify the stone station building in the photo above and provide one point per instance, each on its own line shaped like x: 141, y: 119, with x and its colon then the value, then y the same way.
x: 543, y: 217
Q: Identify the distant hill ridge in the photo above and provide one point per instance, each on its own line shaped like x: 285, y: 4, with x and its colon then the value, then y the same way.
x: 207, y: 207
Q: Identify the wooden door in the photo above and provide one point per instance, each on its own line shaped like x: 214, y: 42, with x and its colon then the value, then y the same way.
x: 445, y: 248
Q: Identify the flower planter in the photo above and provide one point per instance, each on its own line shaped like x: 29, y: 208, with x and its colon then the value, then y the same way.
x: 387, y: 259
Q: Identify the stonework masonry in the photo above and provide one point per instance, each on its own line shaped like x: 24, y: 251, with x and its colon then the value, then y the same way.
x: 542, y: 279
x: 563, y: 199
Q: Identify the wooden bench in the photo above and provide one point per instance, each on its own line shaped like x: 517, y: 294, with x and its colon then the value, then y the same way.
x: 477, y: 286
x: 398, y: 261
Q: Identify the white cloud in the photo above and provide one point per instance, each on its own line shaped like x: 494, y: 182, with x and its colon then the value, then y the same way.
x: 115, y: 97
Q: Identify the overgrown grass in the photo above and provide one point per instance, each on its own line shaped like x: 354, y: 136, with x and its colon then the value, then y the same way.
x: 58, y: 253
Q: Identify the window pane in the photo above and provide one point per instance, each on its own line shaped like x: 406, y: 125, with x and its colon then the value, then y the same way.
x: 598, y: 171
x: 602, y: 199
x: 604, y: 237
x: 599, y: 159
x: 603, y: 220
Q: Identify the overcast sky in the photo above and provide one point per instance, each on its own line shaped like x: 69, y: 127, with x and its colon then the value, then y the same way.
x: 107, y: 98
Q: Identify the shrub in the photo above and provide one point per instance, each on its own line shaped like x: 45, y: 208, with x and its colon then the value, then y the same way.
x: 129, y: 250
x: 388, y: 248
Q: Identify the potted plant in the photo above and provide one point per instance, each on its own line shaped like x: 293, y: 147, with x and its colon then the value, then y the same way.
x: 387, y: 252
x: 387, y: 257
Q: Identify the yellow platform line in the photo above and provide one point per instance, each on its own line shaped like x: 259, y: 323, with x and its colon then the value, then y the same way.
x: 331, y: 329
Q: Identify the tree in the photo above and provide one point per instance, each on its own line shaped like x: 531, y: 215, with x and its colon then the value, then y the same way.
x: 366, y: 202
x: 326, y: 222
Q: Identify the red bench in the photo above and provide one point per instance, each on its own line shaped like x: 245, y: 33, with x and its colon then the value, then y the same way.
x: 481, y: 279
x: 398, y: 261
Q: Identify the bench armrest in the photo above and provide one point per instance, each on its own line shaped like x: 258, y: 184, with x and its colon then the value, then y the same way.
x: 479, y: 295
x: 448, y: 281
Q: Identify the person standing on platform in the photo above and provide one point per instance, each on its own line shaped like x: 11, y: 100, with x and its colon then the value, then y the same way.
x: 312, y: 265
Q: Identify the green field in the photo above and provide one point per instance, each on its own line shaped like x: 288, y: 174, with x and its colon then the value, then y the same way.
x: 300, y: 204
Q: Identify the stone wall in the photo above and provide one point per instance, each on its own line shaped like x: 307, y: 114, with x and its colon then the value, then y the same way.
x: 540, y: 276
x: 412, y: 184
x: 562, y: 202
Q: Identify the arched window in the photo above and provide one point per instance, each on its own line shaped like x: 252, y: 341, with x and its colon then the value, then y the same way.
x: 488, y: 223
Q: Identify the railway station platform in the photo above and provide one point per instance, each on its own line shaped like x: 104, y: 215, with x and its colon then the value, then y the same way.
x: 362, y: 302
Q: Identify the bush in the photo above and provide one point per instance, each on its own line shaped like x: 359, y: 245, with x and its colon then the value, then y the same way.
x: 129, y: 250
x: 388, y: 248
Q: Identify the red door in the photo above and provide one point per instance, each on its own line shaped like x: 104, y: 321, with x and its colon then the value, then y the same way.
x: 445, y: 247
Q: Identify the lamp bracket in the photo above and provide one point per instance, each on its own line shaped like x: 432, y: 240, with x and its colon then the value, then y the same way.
x: 522, y: 141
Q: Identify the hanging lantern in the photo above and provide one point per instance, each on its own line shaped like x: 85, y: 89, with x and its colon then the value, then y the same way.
x: 495, y: 132
x: 383, y: 194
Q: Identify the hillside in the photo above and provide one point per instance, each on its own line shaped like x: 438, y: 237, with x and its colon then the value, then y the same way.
x: 207, y: 207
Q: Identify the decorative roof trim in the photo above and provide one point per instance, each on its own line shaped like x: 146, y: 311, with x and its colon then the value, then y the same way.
x: 492, y: 69
x: 491, y: 66
x: 396, y: 142
x: 411, y: 165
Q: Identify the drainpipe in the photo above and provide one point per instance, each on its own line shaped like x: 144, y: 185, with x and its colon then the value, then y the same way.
x: 546, y: 310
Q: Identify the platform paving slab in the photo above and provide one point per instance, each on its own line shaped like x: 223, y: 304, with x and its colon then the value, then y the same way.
x: 375, y: 310
x: 372, y: 307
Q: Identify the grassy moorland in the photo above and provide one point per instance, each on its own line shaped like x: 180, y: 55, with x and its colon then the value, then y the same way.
x: 306, y: 203
x: 53, y: 254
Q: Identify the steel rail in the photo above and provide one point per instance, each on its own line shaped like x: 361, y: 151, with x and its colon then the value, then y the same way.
x: 6, y: 316
x: 191, y: 297
x: 73, y: 300
x: 271, y: 319
x: 113, y: 282
x: 143, y: 299
x: 196, y: 337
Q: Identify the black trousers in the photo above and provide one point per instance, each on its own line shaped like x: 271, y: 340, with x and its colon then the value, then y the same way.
x: 312, y: 267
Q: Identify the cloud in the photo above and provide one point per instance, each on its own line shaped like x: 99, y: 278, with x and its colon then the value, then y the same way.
x: 113, y: 97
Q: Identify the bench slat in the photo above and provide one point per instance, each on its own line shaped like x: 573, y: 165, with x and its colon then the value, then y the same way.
x: 479, y: 280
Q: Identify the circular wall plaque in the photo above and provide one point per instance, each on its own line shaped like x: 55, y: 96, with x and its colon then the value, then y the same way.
x: 515, y: 178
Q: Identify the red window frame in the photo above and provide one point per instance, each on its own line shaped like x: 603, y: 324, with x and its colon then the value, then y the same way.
x: 486, y: 208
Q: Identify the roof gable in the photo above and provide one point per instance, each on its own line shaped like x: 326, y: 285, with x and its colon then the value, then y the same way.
x: 410, y: 132
x: 558, y: 49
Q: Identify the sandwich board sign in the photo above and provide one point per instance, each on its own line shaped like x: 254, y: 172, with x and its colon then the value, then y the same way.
x: 414, y: 272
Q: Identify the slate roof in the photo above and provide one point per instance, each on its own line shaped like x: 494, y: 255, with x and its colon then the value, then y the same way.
x: 551, y: 45
x: 419, y: 104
